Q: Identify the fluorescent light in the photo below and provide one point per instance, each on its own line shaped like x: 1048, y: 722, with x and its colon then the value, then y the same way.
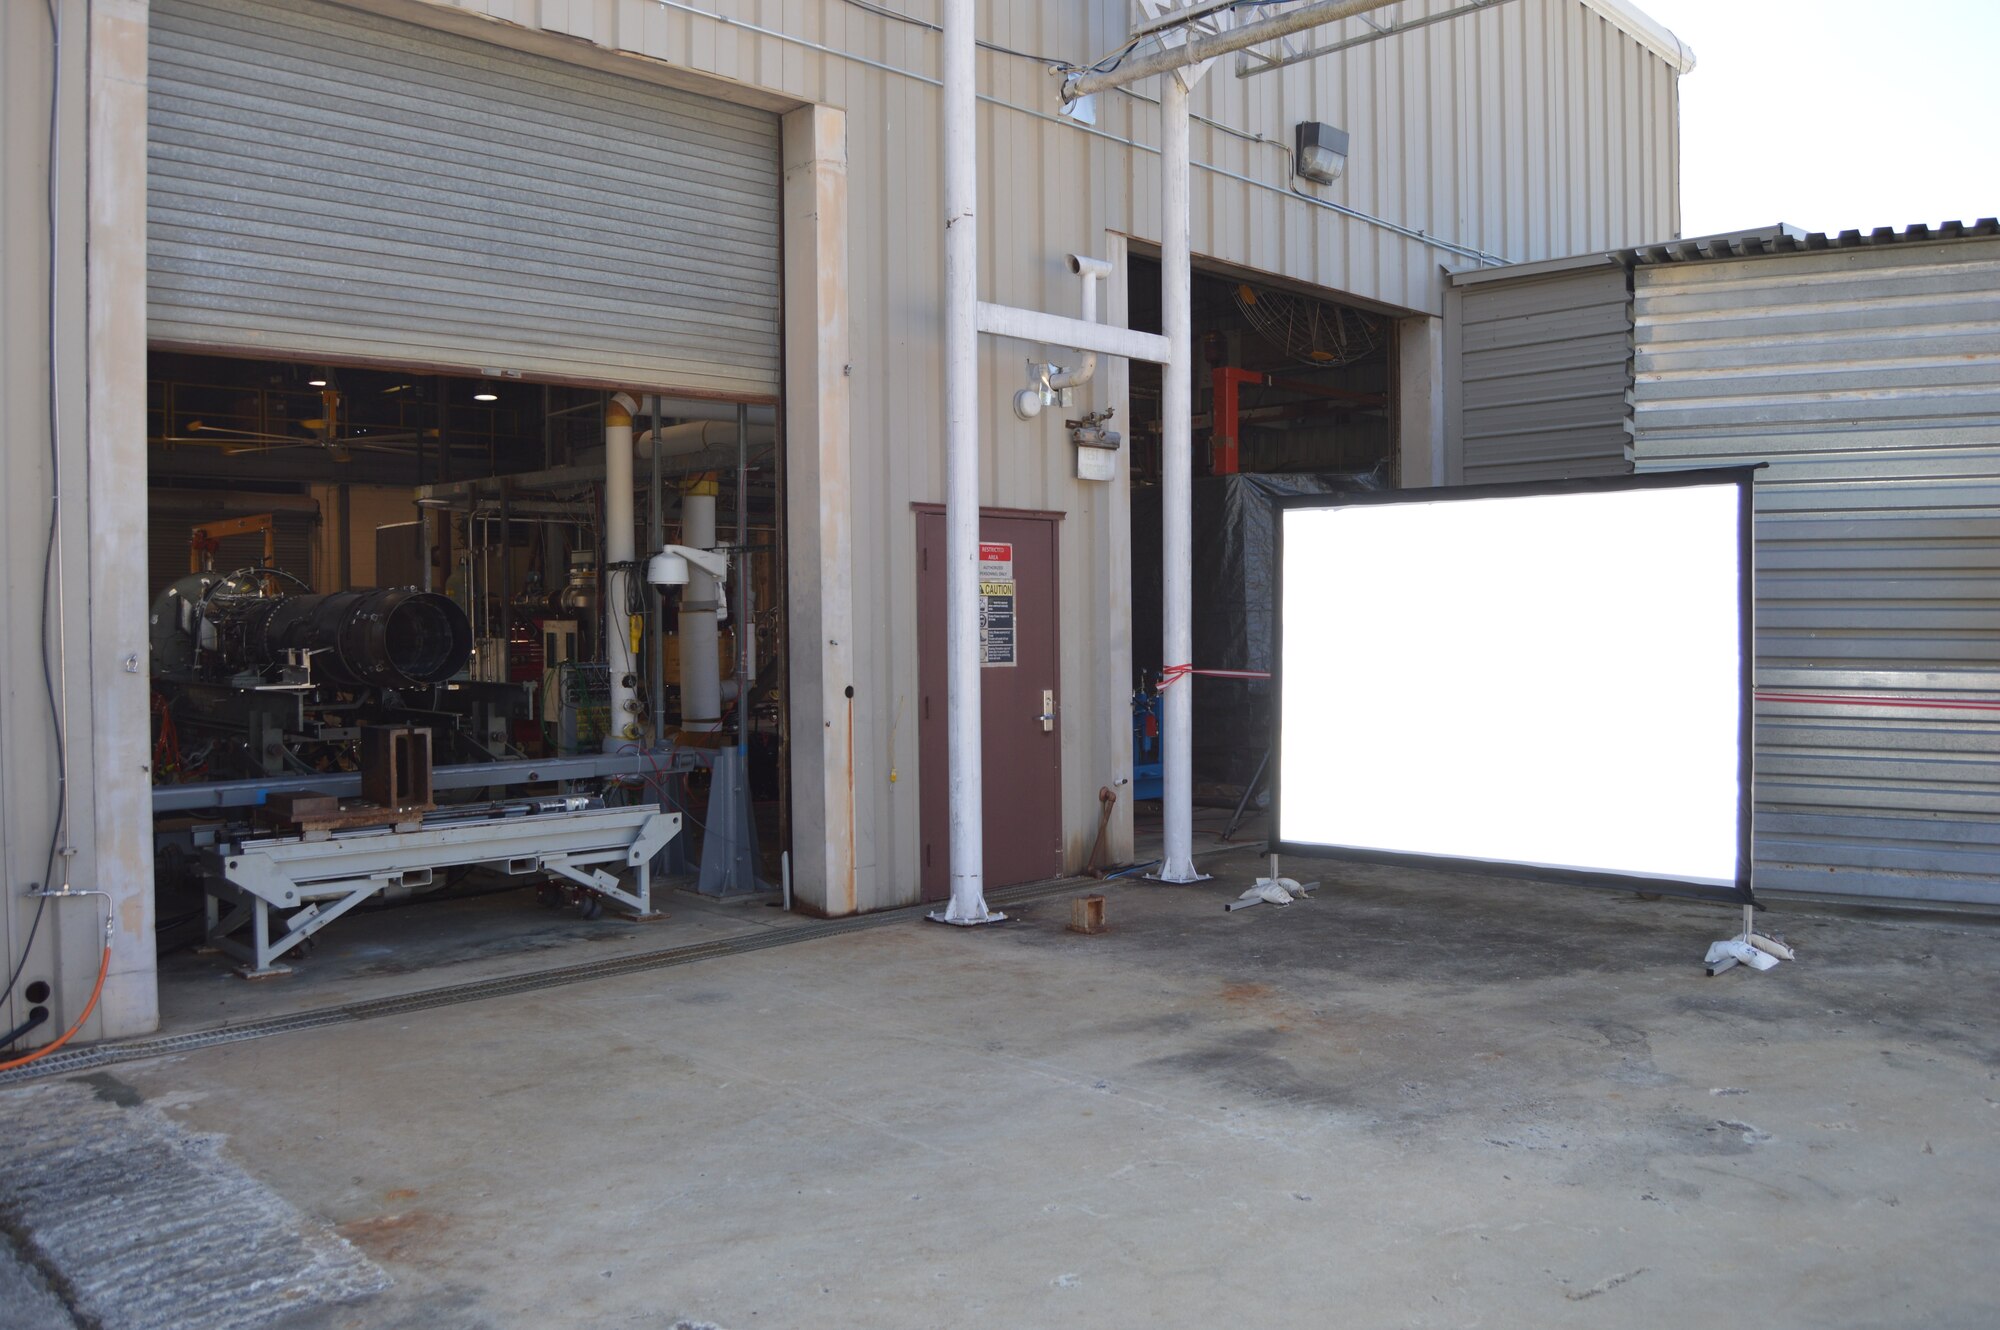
x: 315, y: 383
x: 1550, y: 680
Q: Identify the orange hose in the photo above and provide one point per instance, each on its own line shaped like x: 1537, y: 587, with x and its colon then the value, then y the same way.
x: 103, y: 968
x: 851, y: 866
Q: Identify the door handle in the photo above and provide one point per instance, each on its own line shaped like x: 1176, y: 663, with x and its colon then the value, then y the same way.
x: 1048, y: 716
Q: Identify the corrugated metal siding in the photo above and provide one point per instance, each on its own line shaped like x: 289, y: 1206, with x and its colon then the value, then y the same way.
x: 1869, y: 380
x: 1533, y: 130
x: 1530, y: 130
x: 1538, y: 375
x: 333, y: 183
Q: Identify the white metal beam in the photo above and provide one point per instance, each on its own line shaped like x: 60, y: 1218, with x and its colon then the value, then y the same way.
x: 1031, y: 325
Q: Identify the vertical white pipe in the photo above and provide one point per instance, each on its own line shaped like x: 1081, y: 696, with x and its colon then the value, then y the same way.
x: 961, y: 433
x: 701, y: 677
x: 1176, y: 486
x: 619, y: 537
x: 1090, y: 270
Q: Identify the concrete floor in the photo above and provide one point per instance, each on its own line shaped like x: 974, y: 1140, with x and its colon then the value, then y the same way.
x: 1418, y: 1100
x: 429, y: 943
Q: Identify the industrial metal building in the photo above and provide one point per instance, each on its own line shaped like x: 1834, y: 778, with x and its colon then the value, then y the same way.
x: 529, y: 206
x: 1862, y: 372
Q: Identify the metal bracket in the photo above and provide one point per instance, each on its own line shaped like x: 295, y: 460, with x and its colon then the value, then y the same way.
x: 330, y: 877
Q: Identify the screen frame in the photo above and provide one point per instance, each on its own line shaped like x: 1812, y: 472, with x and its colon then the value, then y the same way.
x: 1741, y: 892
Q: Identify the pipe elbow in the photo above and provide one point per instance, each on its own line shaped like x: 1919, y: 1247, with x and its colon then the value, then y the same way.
x: 620, y: 410
x: 1076, y: 378
x: 1088, y: 268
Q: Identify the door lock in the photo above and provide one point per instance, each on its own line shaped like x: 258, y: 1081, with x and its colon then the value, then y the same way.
x: 1048, y: 716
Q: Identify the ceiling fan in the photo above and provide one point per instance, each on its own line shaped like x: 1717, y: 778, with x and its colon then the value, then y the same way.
x: 1309, y: 331
x: 322, y: 433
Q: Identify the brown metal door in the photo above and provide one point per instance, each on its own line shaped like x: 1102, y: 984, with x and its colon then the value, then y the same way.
x: 1022, y: 753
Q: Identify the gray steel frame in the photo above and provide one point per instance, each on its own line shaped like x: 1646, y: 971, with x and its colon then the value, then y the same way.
x: 323, y: 879
x: 459, y: 776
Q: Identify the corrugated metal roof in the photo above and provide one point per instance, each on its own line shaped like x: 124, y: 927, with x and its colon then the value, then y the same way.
x: 1647, y: 31
x: 1752, y: 243
x: 1792, y: 240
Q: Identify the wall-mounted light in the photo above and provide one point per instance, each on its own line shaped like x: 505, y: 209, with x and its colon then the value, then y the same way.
x: 1319, y: 152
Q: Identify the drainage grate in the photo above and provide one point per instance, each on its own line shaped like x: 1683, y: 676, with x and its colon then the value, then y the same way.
x: 104, y: 1055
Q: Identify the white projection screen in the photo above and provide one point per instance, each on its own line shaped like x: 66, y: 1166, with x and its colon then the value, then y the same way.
x: 1549, y: 681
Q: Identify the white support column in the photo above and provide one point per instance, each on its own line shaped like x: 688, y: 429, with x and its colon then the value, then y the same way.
x: 831, y: 813
x: 1420, y: 401
x: 112, y: 628
x: 1176, y: 486
x: 1114, y: 670
x: 961, y: 436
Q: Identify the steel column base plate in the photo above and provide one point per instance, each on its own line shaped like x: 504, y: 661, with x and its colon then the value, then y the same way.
x: 938, y: 917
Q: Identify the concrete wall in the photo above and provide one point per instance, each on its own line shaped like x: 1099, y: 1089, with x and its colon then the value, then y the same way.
x: 98, y: 399
x: 1538, y: 128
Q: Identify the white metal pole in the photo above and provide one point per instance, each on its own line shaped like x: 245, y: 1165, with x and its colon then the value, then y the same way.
x: 619, y: 537
x: 1176, y: 487
x: 961, y: 434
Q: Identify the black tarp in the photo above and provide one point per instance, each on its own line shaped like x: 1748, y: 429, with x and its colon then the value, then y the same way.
x: 1235, y: 551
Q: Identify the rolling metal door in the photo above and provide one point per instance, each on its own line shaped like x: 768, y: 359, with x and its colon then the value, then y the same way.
x: 1869, y: 379
x: 325, y: 182
x: 1538, y: 374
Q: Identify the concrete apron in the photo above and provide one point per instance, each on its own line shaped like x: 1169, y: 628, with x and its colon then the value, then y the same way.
x: 1413, y: 1100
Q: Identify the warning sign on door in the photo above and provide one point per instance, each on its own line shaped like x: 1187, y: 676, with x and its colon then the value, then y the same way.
x: 997, y: 644
x: 996, y: 561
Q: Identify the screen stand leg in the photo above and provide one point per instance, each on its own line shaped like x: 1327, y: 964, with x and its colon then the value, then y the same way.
x: 1749, y: 948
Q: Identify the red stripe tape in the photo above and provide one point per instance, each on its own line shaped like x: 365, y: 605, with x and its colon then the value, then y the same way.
x: 1174, y: 673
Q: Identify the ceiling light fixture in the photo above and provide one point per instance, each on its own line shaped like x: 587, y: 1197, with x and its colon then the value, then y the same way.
x: 485, y: 394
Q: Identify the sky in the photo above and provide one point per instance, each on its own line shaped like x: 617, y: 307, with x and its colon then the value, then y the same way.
x: 1837, y: 114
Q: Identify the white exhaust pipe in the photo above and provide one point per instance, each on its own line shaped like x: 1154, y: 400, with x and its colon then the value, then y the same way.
x: 701, y: 677
x: 1091, y: 271
x: 620, y: 537
x: 696, y: 435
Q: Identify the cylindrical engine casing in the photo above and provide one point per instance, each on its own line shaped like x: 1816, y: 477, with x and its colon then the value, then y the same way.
x: 392, y: 637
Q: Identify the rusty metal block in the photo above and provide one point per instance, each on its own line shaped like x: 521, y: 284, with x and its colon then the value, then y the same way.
x: 1086, y: 914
